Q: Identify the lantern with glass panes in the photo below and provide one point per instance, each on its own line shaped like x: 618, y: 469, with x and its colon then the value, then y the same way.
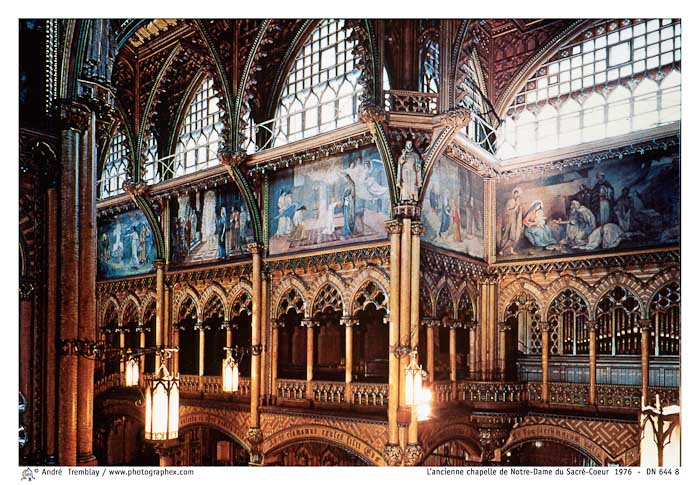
x: 229, y: 366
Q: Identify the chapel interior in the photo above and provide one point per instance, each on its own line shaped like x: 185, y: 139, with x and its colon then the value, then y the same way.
x: 354, y: 242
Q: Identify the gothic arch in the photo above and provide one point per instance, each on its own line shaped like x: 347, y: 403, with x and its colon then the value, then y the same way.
x: 133, y: 300
x: 516, y: 287
x: 656, y: 283
x: 619, y: 278
x: 467, y: 288
x: 584, y: 290
x: 548, y: 309
x: 106, y: 303
x: 548, y: 432
x: 506, y: 96
x: 445, y: 285
x: 334, y: 280
x: 325, y: 434
x: 148, y: 298
x: 243, y: 286
x: 466, y: 433
x: 214, y: 290
x: 373, y: 274
x: 290, y: 282
x: 180, y: 297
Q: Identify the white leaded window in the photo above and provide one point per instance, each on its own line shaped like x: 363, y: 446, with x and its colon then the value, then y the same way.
x: 618, y: 77
x: 198, y: 143
x: 322, y: 91
x: 116, y: 167
x: 430, y: 66
x: 151, y: 170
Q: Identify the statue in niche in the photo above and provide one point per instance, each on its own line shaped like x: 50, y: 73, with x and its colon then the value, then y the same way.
x: 410, y: 173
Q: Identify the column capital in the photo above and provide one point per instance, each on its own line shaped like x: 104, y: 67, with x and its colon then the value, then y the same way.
x: 471, y: 325
x: 417, y: 228
x: 453, y: 324
x: 408, y: 210
x: 159, y: 264
x: 413, y: 454
x: 504, y: 326
x: 544, y: 326
x: 592, y: 325
x: 430, y: 322
x: 72, y: 115
x: 393, y: 226
x: 255, y: 247
x: 232, y: 158
x: 349, y: 321
x: 645, y: 324
x: 393, y: 454
x: 309, y: 323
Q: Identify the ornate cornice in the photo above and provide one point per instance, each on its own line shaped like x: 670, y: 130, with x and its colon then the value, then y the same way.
x: 349, y: 143
x: 463, y: 155
x: 208, y: 274
x: 126, y: 286
x: 443, y: 264
x: 604, y: 261
x: 331, y: 260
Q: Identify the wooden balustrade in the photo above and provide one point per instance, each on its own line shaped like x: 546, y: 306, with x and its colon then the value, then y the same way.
x: 365, y: 394
x: 411, y: 102
x: 291, y: 389
x: 329, y: 392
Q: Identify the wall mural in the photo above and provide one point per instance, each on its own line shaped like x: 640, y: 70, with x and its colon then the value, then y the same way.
x: 125, y: 245
x: 453, y: 209
x: 337, y: 200
x: 208, y: 225
x: 629, y: 203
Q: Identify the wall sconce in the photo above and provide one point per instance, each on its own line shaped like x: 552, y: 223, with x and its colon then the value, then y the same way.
x: 131, y: 372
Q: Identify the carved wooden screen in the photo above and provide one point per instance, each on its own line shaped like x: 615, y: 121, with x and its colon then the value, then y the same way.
x: 568, y: 314
x: 665, y: 316
x: 242, y: 305
x: 618, y: 315
x: 523, y: 313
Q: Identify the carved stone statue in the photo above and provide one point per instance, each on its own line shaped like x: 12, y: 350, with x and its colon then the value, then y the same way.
x: 410, y: 174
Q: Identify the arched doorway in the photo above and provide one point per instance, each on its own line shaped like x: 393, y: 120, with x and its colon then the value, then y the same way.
x: 542, y: 452
x: 313, y: 453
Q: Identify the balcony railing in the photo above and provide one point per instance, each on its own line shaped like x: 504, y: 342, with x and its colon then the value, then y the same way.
x: 291, y: 389
x: 413, y: 102
x: 366, y: 394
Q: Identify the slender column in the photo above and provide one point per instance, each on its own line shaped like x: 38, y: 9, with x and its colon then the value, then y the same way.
x: 544, y: 326
x: 414, y: 449
x: 394, y: 227
x: 87, y: 287
x: 645, y: 326
x: 202, y: 338
x: 503, y: 329
x: 256, y: 251
x: 76, y: 121
x: 453, y: 359
x: 405, y: 302
x: 430, y: 350
x: 472, y: 350
x: 264, y: 320
x: 26, y: 298
x: 176, y: 343
x: 142, y: 359
x: 492, y: 326
x: 51, y: 325
x: 592, y: 348
x: 274, y: 359
x: 348, y: 323
x: 160, y: 329
x: 309, y: 357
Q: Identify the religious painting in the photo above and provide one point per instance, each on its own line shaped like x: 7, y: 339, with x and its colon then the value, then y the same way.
x: 453, y: 209
x: 125, y: 245
x: 631, y: 202
x: 339, y: 200
x: 209, y: 225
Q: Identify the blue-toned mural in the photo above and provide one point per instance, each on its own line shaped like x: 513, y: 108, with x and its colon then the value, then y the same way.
x: 209, y: 225
x: 125, y: 245
x: 632, y: 202
x: 453, y: 209
x: 337, y: 200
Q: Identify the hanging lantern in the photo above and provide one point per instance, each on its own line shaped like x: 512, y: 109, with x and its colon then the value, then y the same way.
x: 162, y: 406
x: 131, y: 372
x: 229, y: 374
x: 414, y: 381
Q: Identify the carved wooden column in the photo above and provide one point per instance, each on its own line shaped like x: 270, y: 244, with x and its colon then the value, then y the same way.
x: 592, y: 348
x: 52, y: 291
x: 453, y: 359
x: 202, y: 340
x: 309, y: 324
x: 645, y: 327
x: 392, y: 451
x: 274, y: 357
x: 414, y: 451
x: 74, y: 119
x: 160, y: 329
x: 264, y: 324
x: 405, y: 302
x: 254, y: 433
x: 472, y: 350
x: 430, y: 349
x: 176, y: 336
x: 544, y: 328
x: 503, y: 329
x: 348, y: 323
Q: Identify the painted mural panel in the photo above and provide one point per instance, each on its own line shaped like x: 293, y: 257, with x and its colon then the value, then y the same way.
x: 631, y: 202
x: 209, y: 225
x: 453, y: 209
x: 339, y: 200
x: 125, y: 245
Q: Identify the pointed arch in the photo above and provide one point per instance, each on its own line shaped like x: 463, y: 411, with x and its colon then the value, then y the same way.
x: 130, y: 301
x: 334, y: 280
x: 371, y: 274
x: 110, y: 302
x: 618, y: 278
x: 445, y: 297
x: 181, y: 296
x: 291, y: 282
x: 656, y: 283
x: 514, y: 288
x: 583, y: 289
x: 238, y: 294
x: 214, y: 290
x: 149, y: 299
